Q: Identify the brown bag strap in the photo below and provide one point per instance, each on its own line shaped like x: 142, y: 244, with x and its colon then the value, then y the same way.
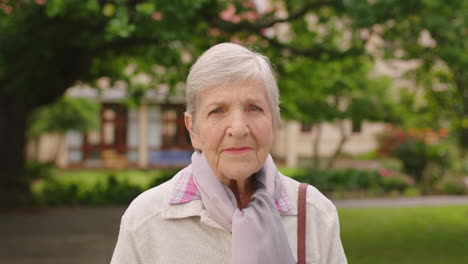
x: 301, y: 223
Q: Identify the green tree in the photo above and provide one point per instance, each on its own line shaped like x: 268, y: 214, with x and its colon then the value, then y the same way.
x: 335, y: 91
x: 67, y: 114
x: 435, y: 33
x: 47, y: 46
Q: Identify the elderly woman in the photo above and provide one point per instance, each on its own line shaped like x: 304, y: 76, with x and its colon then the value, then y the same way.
x: 231, y: 204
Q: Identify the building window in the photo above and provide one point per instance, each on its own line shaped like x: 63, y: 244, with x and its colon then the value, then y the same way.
x: 174, y: 133
x: 110, y: 136
x: 356, y: 126
x: 306, y: 127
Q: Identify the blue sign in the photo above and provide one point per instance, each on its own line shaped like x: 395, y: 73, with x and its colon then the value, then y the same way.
x: 171, y: 157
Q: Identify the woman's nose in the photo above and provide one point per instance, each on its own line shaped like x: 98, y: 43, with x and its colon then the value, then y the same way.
x: 238, y: 125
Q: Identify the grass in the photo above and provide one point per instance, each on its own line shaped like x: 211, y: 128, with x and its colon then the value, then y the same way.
x: 426, y: 235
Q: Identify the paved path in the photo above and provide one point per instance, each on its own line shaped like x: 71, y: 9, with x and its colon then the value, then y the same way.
x: 60, y: 235
x: 88, y: 234
x: 402, y: 202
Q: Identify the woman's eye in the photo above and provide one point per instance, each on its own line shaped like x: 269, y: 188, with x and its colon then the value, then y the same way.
x: 255, y: 108
x: 216, y: 111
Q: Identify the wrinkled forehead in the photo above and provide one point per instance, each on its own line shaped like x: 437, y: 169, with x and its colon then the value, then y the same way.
x: 226, y: 93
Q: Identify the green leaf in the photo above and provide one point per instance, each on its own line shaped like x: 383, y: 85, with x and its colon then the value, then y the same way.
x: 54, y: 7
x: 146, y: 8
x: 108, y: 10
x: 66, y: 114
x: 92, y: 5
x: 119, y: 25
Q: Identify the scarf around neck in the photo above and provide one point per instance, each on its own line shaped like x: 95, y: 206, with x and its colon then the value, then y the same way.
x: 258, y: 235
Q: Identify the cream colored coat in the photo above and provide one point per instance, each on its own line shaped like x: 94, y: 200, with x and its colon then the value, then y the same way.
x: 154, y: 231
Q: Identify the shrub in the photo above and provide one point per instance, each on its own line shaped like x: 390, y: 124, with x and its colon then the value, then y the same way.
x: 349, y: 181
x: 394, y: 183
x: 453, y: 187
x: 412, y: 192
x: 416, y: 149
x: 111, y: 189
x: 57, y: 193
x: 331, y: 180
x: 164, y: 176
x: 36, y: 170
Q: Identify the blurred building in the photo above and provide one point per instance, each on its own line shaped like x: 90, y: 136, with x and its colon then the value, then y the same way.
x: 153, y: 134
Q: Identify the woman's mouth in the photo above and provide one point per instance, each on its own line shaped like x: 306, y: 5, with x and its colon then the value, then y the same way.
x: 240, y: 150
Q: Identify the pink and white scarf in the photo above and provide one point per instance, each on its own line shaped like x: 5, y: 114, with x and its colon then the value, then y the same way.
x: 258, y: 235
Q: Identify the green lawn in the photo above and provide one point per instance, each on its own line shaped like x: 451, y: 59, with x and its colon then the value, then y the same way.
x: 425, y: 235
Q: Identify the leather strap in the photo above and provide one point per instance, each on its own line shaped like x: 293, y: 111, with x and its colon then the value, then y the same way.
x: 301, y: 223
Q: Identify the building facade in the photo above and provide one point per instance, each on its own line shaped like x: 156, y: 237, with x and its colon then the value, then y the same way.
x: 153, y: 134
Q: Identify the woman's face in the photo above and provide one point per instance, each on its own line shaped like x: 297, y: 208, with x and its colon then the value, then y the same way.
x: 233, y: 127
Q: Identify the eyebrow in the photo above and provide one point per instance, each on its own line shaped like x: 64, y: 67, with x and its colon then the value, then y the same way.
x: 217, y: 103
x: 248, y: 99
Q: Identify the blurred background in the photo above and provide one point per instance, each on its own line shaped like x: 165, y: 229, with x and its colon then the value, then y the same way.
x: 374, y: 104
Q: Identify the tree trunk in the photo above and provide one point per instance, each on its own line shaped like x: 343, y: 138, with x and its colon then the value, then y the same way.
x: 37, y: 146
x: 14, y: 188
x: 316, y: 146
x: 463, y: 140
x: 462, y: 130
x: 461, y: 80
x: 339, y: 148
x: 60, y: 145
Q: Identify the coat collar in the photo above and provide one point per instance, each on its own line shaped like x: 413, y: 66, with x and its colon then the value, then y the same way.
x: 183, y: 199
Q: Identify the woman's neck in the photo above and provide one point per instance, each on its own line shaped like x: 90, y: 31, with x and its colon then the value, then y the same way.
x: 243, y: 191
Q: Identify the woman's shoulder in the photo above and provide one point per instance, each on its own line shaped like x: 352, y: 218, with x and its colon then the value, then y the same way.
x: 315, y: 200
x: 149, y: 204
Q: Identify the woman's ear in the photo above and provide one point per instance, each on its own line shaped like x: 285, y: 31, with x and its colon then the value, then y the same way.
x: 188, y: 118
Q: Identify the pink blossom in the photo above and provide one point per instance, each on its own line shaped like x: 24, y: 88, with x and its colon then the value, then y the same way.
x: 442, y: 132
x: 157, y: 16
x: 385, y: 173
x: 230, y: 14
x: 252, y: 38
x: 250, y: 16
x: 40, y: 2
x: 214, y: 32
x: 7, y: 9
x: 236, y: 40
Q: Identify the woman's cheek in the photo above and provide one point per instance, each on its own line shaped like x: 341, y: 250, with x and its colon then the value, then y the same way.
x: 213, y: 137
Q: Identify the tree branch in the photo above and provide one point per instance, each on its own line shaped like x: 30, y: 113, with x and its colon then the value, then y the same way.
x: 257, y: 27
x: 301, y: 12
x: 265, y: 22
x: 120, y: 44
x: 314, y: 52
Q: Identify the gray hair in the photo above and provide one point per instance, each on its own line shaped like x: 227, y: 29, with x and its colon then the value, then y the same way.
x: 231, y: 63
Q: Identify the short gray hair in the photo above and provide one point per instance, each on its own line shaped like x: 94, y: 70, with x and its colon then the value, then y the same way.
x: 231, y: 63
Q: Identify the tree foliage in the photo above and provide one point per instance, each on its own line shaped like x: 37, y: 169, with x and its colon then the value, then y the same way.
x: 68, y: 113
x: 319, y: 48
x: 435, y: 33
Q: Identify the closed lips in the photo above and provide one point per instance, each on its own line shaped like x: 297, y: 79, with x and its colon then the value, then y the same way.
x: 238, y: 150
x: 242, y: 148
